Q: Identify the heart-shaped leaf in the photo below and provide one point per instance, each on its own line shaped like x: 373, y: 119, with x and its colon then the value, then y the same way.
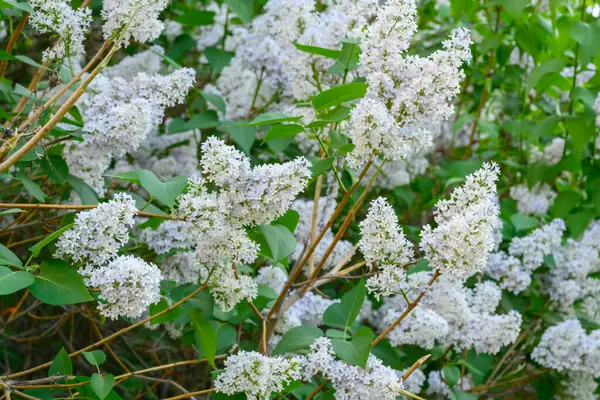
x: 96, y: 357
x: 61, y: 365
x: 166, y: 192
x: 102, y: 385
x: 356, y: 351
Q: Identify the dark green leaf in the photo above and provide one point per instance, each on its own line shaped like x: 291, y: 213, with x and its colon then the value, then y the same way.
x: 456, y: 394
x: 554, y: 65
x: 243, y: 135
x: 344, y: 313
x: 196, y: 18
x: 59, y: 284
x: 36, y: 248
x: 61, y: 365
x: 272, y: 118
x: 339, y: 94
x: 242, y: 8
x: 564, y: 203
x: 84, y: 191
x: 298, y: 338
x: 218, y: 58
x: 320, y: 165
x: 208, y: 335
x: 283, y: 131
x: 167, y: 317
x: 32, y: 188
x: 216, y: 101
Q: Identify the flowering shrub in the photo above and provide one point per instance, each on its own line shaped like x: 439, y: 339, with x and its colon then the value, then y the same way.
x: 300, y: 199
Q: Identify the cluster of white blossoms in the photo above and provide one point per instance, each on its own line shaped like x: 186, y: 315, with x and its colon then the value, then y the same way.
x: 119, y: 113
x: 244, y: 197
x: 210, y: 35
x: 343, y: 249
x: 128, y: 284
x: 257, y: 375
x: 59, y: 17
x: 578, y: 386
x: 383, y: 243
x: 570, y: 280
x: 267, y: 62
x: 536, y: 200
x: 132, y: 19
x: 449, y: 314
x: 406, y: 93
x: 551, y: 154
x: 438, y: 387
x: 273, y: 277
x: 467, y: 222
x: 567, y: 347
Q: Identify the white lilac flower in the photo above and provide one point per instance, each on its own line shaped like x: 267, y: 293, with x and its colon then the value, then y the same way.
x: 58, y: 16
x: 168, y: 236
x: 273, y: 277
x: 465, y: 234
x: 132, y: 19
x: 539, y: 243
x: 180, y: 267
x: 437, y: 385
x: 128, y: 285
x: 147, y: 61
x: 551, y: 154
x: 509, y: 271
x: 536, y: 200
x: 578, y: 386
x: 308, y: 310
x: 226, y: 288
x: 172, y: 30
x: 97, y: 235
x: 421, y: 327
x: 351, y: 382
x: 257, y: 375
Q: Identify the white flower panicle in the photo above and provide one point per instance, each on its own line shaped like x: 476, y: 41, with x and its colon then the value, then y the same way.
x: 273, y: 277
x: 147, y: 61
x: 406, y: 93
x: 567, y: 348
x: 128, y: 285
x: 578, y: 386
x: 551, y: 154
x: 306, y: 311
x: 539, y: 243
x: 350, y: 382
x: 536, y: 200
x: 437, y: 384
x: 383, y: 242
x: 180, y: 267
x: 465, y: 234
x: 257, y: 375
x: 509, y: 271
x: 168, y: 236
x: 98, y: 234
x: 58, y: 16
x: 132, y: 19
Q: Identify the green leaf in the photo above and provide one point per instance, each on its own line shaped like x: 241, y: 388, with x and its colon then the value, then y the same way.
x: 243, y: 135
x: 242, y: 8
x: 24, y: 6
x: 320, y: 51
x: 579, y: 221
x: 280, y: 240
x: 290, y: 220
x: 128, y: 176
x: 339, y: 94
x: 523, y: 222
x: 13, y: 281
x: 196, y: 18
x: 166, y: 192
x: 208, y: 335
x: 36, y: 248
x: 59, y: 284
x: 298, y: 338
x: 272, y: 118
x: 356, y: 351
x: 588, y: 37
x: 564, y: 203
x: 514, y: 8
x: 56, y: 168
x: 554, y: 65
x: 32, y: 188
x: 581, y: 129
x: 61, y: 365
x: 451, y: 375
x: 85, y: 192
x: 96, y: 357
x: 344, y: 313
x: 12, y: 211
x: 283, y: 131
x: 218, y: 58
x: 102, y: 385
x: 456, y: 394
x: 542, y: 128
x: 9, y: 258
x: 320, y: 165
x: 208, y: 119
x: 216, y: 101
x: 162, y: 305
x: 348, y: 59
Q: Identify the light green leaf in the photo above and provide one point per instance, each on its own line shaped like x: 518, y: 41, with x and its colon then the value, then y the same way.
x: 59, y: 284
x: 24, y: 6
x: 283, y: 131
x: 339, y: 94
x: 162, y: 305
x: 554, y: 65
x: 13, y: 281
x: 329, y: 53
x: 102, y: 385
x: 218, y: 58
x: 36, y: 248
x: 96, y: 357
x: 523, y: 222
x: 166, y: 192
x: 298, y: 338
x: 242, y: 8
x: 272, y: 118
x: 84, y: 191
x: 12, y: 211
x: 243, y: 135
x: 356, y: 351
x: 32, y: 188
x: 9, y: 258
x: 451, y: 375
x: 280, y: 240
x: 216, y: 101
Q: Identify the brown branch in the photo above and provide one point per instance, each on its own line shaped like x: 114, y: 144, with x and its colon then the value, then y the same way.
x: 43, y: 206
x: 12, y: 41
x: 188, y: 395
